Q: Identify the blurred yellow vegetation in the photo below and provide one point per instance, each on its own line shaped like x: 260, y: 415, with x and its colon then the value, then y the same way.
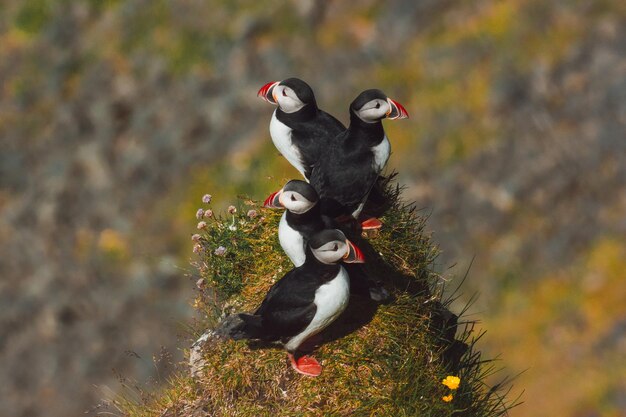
x: 562, y: 328
x: 113, y: 243
x: 84, y: 243
x: 494, y: 20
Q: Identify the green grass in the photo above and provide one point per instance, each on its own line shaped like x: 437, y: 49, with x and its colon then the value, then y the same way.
x: 385, y: 360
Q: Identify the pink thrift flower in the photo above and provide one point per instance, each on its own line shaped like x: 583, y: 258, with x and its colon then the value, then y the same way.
x: 206, y: 199
x: 199, y: 213
x: 232, y: 209
x: 221, y: 251
x: 252, y: 214
x: 195, y: 237
x: 201, y: 225
x: 197, y: 248
x: 208, y: 213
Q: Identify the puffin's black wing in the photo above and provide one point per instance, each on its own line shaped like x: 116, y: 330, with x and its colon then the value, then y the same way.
x: 288, y: 306
x: 289, y: 322
x: 314, y: 136
x: 335, y: 127
x: 295, y: 289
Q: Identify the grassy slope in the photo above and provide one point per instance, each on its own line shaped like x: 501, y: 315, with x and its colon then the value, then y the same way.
x: 378, y: 360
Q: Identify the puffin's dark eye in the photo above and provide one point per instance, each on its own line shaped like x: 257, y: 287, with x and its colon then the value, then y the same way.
x: 335, y: 247
x: 377, y: 105
x: 293, y: 198
x: 284, y: 93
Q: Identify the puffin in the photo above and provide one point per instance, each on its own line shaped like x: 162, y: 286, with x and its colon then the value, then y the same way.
x: 303, y: 219
x: 304, y: 301
x: 299, y: 129
x: 346, y: 174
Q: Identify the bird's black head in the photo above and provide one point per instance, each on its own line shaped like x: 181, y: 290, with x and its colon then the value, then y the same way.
x: 303, y: 91
x: 298, y: 196
x: 302, y: 188
x: 290, y: 95
x: 373, y: 105
x: 367, y: 96
x: 331, y: 246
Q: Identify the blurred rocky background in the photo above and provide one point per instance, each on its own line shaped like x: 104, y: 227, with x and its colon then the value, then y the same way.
x: 117, y: 116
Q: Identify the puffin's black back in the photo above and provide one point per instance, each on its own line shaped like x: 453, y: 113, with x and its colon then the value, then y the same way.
x: 344, y: 177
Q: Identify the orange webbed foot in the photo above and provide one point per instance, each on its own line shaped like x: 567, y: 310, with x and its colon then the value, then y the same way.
x: 371, y: 224
x: 305, y: 365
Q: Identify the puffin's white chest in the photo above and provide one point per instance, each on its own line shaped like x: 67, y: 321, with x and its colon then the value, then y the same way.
x: 281, y: 136
x: 330, y: 299
x: 291, y: 241
x: 381, y: 154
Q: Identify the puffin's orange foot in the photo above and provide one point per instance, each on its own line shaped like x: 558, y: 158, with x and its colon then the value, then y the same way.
x: 305, y: 365
x: 371, y: 224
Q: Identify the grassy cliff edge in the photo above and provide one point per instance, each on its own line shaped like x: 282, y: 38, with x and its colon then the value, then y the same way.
x: 379, y: 360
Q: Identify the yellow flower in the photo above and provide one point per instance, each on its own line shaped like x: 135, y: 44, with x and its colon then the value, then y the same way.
x: 447, y: 398
x: 451, y: 382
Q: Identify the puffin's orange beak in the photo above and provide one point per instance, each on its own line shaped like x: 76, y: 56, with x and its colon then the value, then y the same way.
x: 396, y: 110
x: 354, y: 254
x: 266, y: 92
x: 273, y: 201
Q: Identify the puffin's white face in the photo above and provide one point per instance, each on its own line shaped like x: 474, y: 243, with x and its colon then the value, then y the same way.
x: 287, y: 99
x: 295, y: 202
x: 374, y: 110
x: 332, y: 252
